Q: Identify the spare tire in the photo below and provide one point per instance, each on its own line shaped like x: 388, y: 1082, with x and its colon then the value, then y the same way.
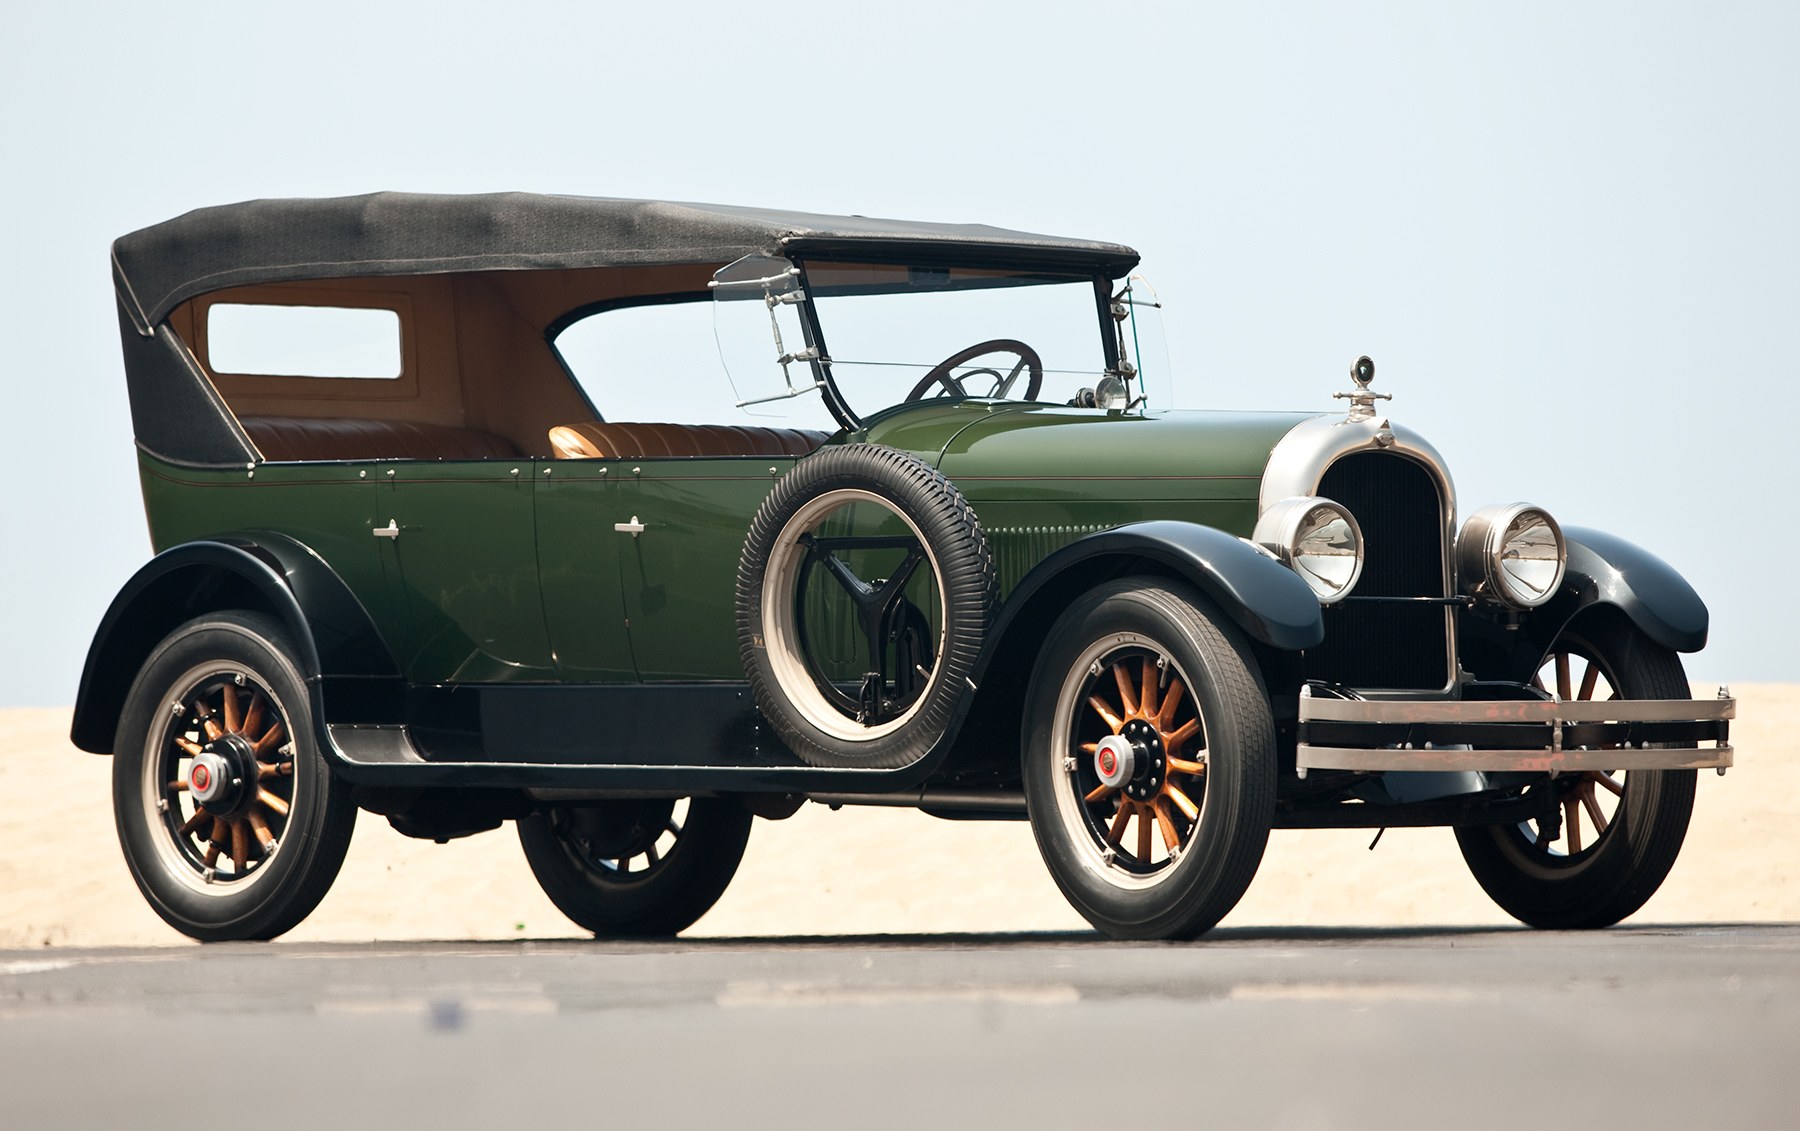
x: 864, y: 594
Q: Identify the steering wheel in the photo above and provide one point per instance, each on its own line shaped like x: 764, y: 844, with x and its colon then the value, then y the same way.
x: 941, y: 373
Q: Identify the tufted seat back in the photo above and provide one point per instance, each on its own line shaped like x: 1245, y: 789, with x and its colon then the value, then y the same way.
x: 601, y: 440
x: 285, y: 438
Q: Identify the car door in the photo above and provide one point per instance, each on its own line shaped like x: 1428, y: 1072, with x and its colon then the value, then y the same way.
x: 462, y: 536
x: 679, y: 574
x: 579, y: 503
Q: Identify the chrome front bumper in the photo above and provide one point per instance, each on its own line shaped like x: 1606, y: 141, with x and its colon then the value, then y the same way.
x: 1530, y: 736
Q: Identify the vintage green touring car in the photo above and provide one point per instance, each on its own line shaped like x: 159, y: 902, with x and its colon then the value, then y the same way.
x: 632, y: 521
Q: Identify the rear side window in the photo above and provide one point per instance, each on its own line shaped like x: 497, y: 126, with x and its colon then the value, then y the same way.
x: 259, y: 340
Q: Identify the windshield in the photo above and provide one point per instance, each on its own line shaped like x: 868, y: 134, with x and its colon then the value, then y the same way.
x: 907, y: 333
x: 886, y: 334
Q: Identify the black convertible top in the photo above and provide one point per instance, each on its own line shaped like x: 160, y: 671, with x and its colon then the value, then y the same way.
x: 395, y: 233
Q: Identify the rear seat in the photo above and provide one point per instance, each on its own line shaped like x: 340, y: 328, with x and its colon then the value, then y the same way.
x: 282, y: 439
x: 601, y: 440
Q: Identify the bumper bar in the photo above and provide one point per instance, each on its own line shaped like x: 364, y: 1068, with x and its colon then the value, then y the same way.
x: 1530, y: 736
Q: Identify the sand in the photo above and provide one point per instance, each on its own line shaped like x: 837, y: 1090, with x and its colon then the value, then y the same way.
x: 865, y: 871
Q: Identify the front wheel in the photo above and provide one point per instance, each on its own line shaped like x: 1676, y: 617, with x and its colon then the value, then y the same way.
x: 230, y: 819
x: 1616, y: 835
x: 1149, y: 760
x: 636, y: 868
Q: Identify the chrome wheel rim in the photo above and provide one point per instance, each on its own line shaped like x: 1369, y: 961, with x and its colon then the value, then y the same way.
x: 219, y: 716
x: 1135, y: 834
x: 787, y: 590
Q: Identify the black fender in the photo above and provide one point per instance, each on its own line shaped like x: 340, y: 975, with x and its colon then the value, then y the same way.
x: 336, y: 640
x: 1603, y: 571
x: 1263, y: 597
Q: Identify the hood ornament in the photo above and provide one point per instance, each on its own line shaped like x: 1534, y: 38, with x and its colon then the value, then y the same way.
x: 1362, y: 401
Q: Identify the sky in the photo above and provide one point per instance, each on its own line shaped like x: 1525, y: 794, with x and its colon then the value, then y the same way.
x: 1566, y: 232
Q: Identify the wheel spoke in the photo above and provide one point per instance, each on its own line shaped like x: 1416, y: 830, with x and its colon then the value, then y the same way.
x: 1104, y: 710
x: 1181, y: 734
x: 1592, y: 805
x: 671, y: 827
x: 212, y: 855
x: 1182, y: 801
x: 1099, y: 792
x: 1170, y: 834
x: 1572, y: 825
x: 192, y: 824
x: 1116, y: 832
x: 220, y: 834
x: 253, y: 717
x: 191, y: 749
x: 272, y: 801
x: 1147, y: 701
x: 240, y: 843
x: 1588, y: 679
x: 1611, y: 786
x: 1143, y: 833
x: 264, y: 835
x: 1165, y: 717
x: 652, y: 855
x: 1127, y: 694
x: 213, y: 731
x: 1183, y: 766
x: 233, y: 715
x: 267, y: 743
x: 1563, y: 690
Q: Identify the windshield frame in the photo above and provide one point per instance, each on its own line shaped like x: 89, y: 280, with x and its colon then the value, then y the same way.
x: 812, y: 327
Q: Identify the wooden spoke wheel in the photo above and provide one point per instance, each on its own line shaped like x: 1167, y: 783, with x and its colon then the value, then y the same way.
x: 1146, y: 790
x: 638, y: 867
x: 1615, y: 835
x: 1149, y: 760
x: 225, y: 773
x: 228, y: 814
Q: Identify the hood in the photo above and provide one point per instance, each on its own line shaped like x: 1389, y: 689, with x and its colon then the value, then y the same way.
x: 1016, y: 451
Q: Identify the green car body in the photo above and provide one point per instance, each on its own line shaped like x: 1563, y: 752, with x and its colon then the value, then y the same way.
x: 494, y: 611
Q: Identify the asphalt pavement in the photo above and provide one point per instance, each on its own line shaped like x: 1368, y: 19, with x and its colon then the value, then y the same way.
x: 1653, y: 1026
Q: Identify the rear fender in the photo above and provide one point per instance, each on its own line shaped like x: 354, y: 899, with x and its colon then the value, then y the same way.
x: 334, y: 638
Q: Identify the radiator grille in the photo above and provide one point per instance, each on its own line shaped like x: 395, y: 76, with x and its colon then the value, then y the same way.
x: 1388, y: 644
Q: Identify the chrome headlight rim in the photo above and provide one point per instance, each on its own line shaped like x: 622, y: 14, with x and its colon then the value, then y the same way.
x: 1283, y: 527
x: 1481, y: 555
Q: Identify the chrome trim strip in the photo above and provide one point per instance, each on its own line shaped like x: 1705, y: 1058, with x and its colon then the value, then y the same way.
x: 1538, y: 761
x: 1300, y: 458
x: 1313, y: 708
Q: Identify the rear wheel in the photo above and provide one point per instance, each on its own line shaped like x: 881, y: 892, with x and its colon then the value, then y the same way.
x: 636, y: 868
x: 1616, y: 834
x: 231, y: 822
x: 1149, y: 760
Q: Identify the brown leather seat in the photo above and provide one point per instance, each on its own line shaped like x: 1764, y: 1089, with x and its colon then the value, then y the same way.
x: 596, y: 439
x: 287, y: 438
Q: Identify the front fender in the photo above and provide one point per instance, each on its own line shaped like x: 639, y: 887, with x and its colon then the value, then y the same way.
x: 1604, y: 570
x: 1263, y: 597
x: 332, y: 634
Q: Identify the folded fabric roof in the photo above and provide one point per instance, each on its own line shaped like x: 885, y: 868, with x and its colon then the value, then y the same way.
x: 396, y: 233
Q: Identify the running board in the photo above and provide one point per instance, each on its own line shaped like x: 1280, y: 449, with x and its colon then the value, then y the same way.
x: 388, y: 756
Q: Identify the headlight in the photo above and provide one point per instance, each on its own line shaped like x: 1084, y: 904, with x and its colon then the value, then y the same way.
x: 1512, y: 554
x: 1318, y: 539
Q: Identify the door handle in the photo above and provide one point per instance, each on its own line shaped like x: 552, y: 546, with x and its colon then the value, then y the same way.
x: 633, y: 528
x: 391, y: 530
